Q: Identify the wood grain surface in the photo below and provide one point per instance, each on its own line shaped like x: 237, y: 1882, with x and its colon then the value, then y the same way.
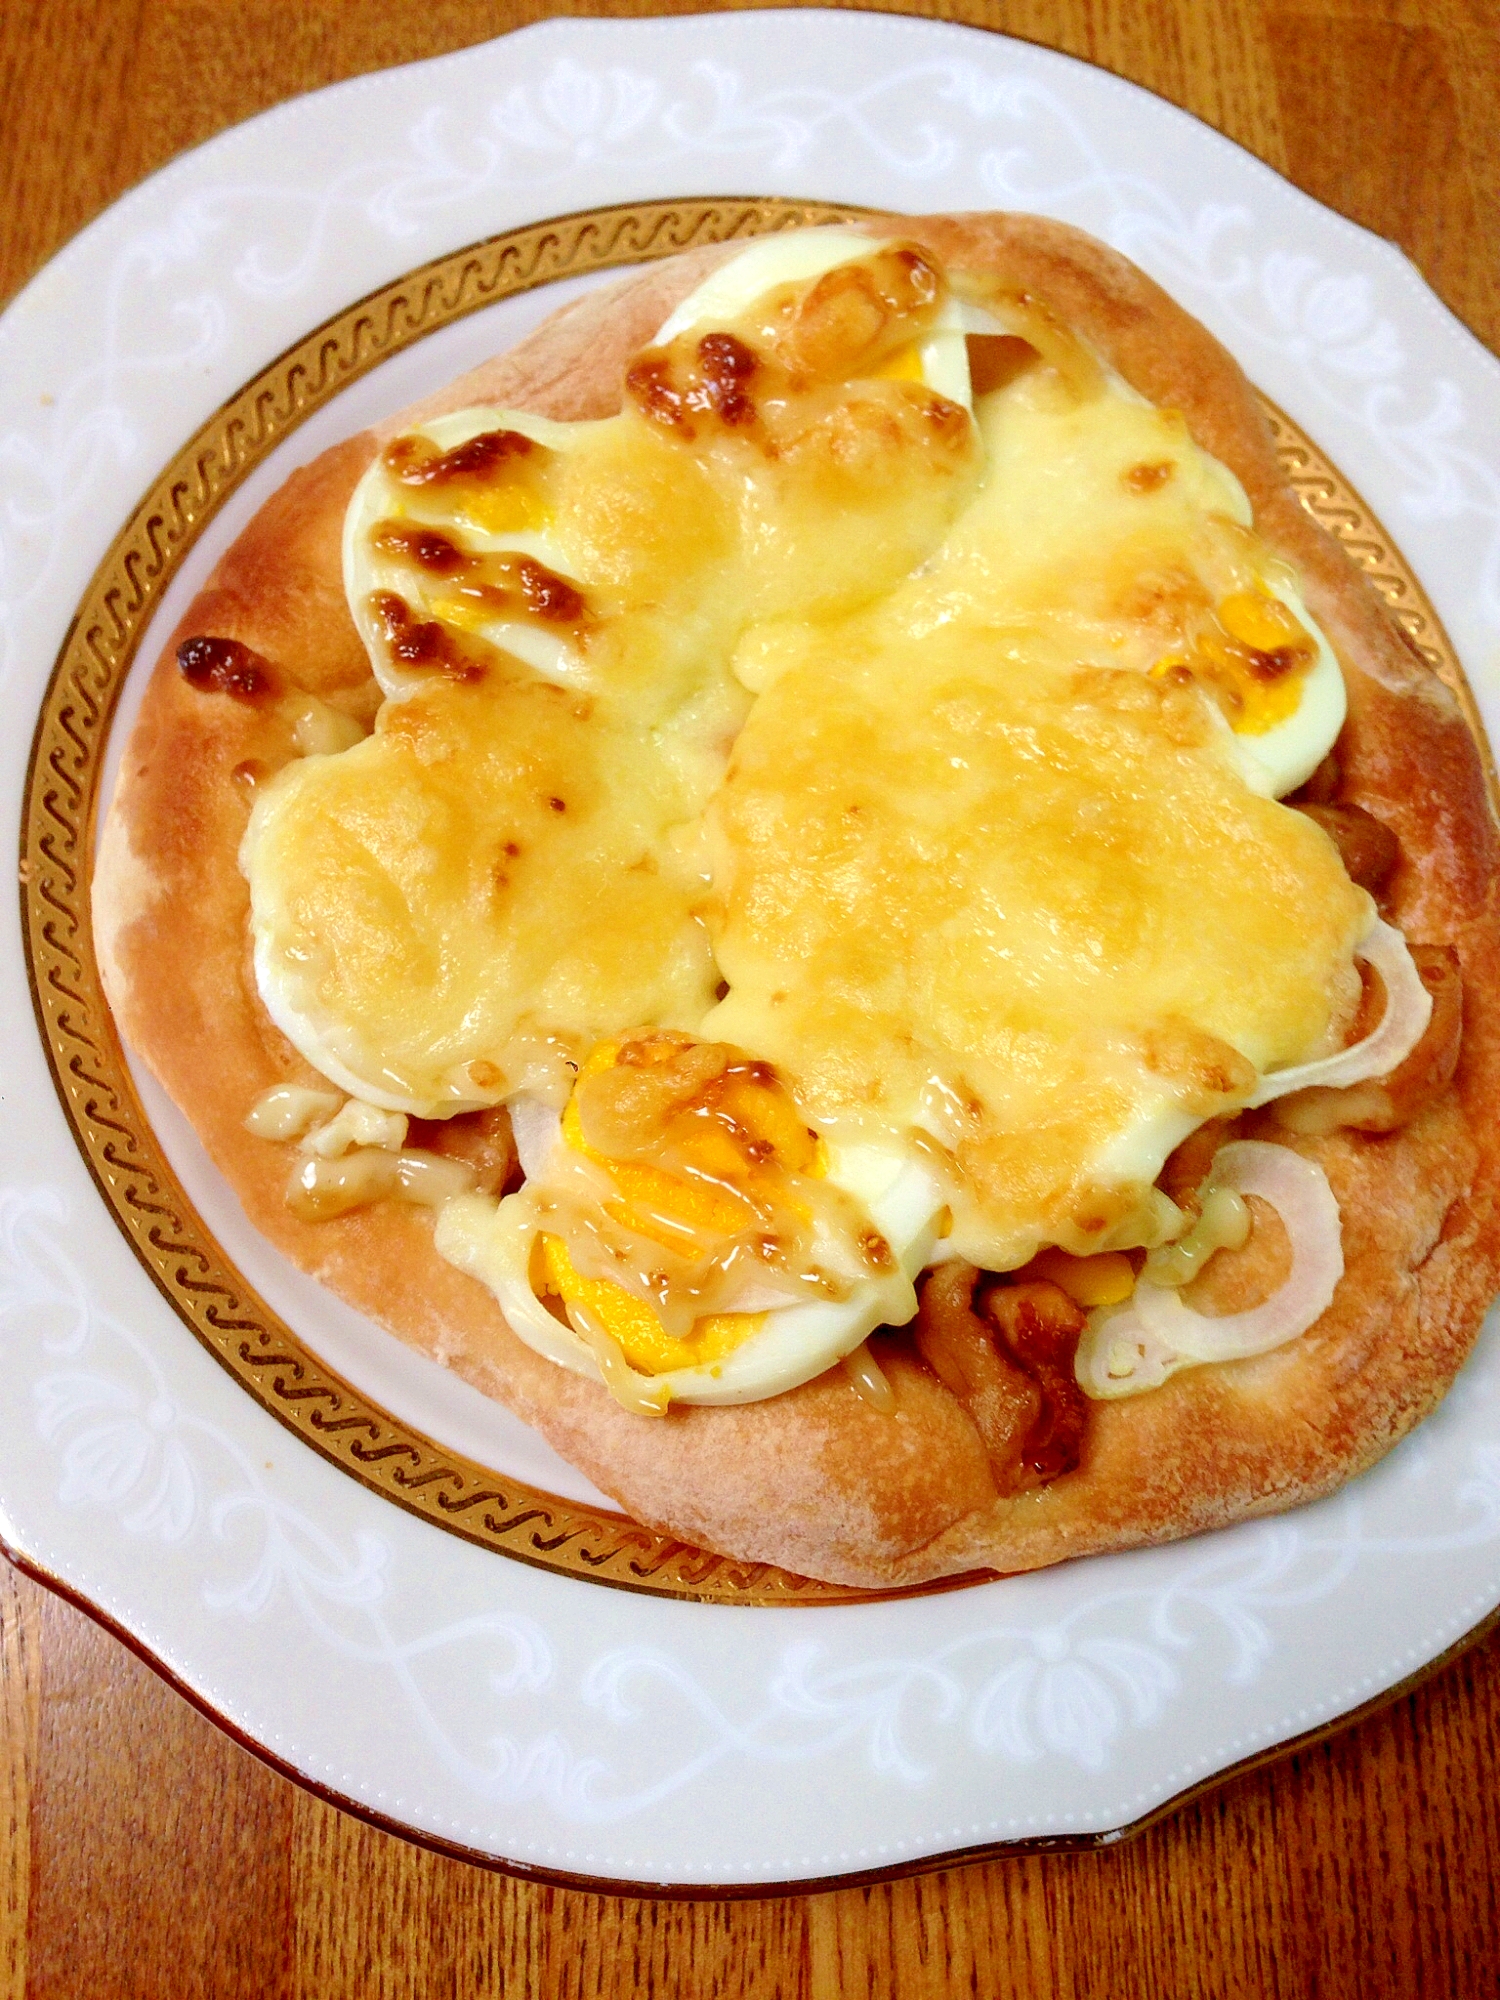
x: 145, y: 1854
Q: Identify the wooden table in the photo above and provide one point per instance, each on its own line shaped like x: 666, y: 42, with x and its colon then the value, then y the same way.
x: 145, y: 1854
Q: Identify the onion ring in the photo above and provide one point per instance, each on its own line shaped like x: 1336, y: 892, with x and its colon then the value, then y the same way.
x: 1162, y: 1334
x: 1115, y: 1335
x: 1408, y: 1009
x: 536, y: 1129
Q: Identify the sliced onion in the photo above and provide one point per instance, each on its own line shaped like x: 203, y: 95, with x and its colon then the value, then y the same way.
x: 974, y: 319
x: 427, y: 1180
x: 1118, y: 1356
x: 1156, y: 1332
x: 492, y: 1241
x: 1408, y: 1009
x: 290, y: 1109
x: 536, y: 1128
x: 1298, y: 1190
x: 870, y: 1379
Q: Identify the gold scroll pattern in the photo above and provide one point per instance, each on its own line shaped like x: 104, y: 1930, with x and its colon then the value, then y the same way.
x: 1332, y: 502
x: 62, y: 797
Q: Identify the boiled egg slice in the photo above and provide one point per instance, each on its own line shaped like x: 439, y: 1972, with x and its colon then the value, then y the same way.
x: 461, y: 550
x: 879, y: 1213
x: 1102, y: 525
x: 1292, y: 713
x: 940, y: 359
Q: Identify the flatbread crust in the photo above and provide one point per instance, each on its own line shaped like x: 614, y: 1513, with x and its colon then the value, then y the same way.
x: 817, y: 1480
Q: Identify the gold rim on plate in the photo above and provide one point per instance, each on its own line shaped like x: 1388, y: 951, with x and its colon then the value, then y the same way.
x: 123, y: 1153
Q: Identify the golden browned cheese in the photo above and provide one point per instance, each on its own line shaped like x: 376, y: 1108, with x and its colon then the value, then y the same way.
x: 981, y: 873
x: 471, y: 867
x: 509, y: 858
x: 1032, y: 923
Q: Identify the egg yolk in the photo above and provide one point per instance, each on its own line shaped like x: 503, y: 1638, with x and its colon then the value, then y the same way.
x: 1252, y: 656
x: 905, y: 365
x: 633, y: 1326
x: 732, y: 1139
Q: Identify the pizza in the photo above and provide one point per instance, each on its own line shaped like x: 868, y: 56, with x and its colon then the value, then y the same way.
x: 820, y: 881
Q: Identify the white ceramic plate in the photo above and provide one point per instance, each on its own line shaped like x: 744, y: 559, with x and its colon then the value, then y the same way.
x: 494, y: 1707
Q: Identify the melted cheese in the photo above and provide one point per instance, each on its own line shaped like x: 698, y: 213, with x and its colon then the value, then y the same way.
x: 1034, y: 909
x: 420, y: 906
x: 946, y: 741
x: 981, y: 872
x: 472, y: 875
x: 1100, y: 516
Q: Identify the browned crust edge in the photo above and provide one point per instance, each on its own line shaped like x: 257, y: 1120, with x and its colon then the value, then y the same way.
x: 816, y: 1481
